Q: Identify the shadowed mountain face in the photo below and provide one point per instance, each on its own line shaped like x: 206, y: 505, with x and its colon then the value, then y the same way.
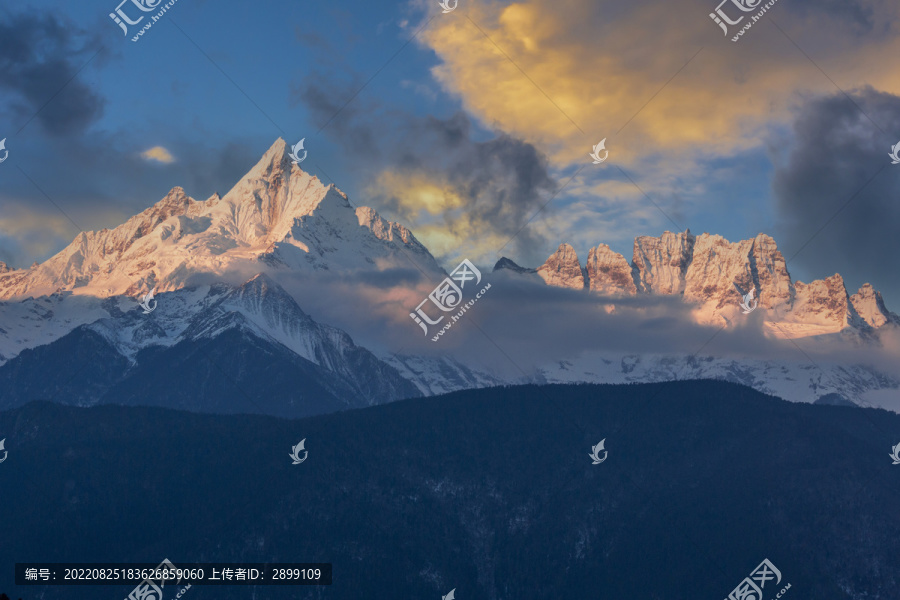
x: 249, y: 349
x: 491, y: 492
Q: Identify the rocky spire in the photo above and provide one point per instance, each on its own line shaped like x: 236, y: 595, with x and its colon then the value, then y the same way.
x: 563, y: 269
x: 608, y: 272
x: 661, y: 263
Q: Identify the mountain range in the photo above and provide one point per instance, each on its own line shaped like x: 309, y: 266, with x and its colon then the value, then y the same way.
x: 232, y: 277
x: 713, y: 274
x: 277, y: 216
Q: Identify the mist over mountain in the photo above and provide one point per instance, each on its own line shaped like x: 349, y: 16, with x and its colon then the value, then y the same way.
x: 714, y: 274
x: 281, y: 297
x: 240, y: 350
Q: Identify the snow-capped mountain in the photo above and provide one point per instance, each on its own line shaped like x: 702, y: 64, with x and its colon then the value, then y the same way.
x: 226, y: 336
x: 713, y: 274
x: 796, y: 381
x: 210, y: 348
x: 276, y: 217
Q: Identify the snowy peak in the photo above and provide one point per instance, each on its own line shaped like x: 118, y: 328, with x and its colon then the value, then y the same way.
x: 382, y: 228
x: 608, y: 272
x: 274, y: 163
x: 276, y: 217
x: 260, y: 209
x: 563, y: 269
x: 822, y: 302
x: 717, y: 266
x: 661, y: 263
x: 768, y: 271
x: 174, y: 204
x: 869, y: 306
x: 505, y: 263
x: 713, y: 273
x: 262, y: 296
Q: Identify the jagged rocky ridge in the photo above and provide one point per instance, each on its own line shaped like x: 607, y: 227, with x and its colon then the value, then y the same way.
x: 710, y: 272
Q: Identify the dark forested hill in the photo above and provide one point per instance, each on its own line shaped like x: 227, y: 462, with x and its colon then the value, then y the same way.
x: 491, y: 492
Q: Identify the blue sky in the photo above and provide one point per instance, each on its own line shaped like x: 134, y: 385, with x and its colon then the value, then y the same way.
x: 708, y: 139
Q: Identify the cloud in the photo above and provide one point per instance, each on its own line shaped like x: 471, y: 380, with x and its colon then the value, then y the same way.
x: 40, y: 56
x: 128, y: 185
x: 837, y: 191
x: 26, y: 233
x: 461, y: 195
x: 158, y: 154
x: 563, y: 74
x: 520, y: 325
x: 557, y: 67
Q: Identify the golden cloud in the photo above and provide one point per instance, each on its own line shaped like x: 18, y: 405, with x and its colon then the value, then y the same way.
x: 657, y: 79
x: 437, y: 214
x: 543, y: 69
x: 35, y: 233
x: 159, y: 154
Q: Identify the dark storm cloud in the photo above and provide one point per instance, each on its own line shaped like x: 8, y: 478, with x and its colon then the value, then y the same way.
x: 840, y: 157
x: 202, y: 170
x: 389, y: 278
x: 40, y: 54
x: 503, y: 181
x: 857, y: 16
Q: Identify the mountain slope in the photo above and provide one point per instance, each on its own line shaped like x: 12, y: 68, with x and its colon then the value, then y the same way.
x: 489, y: 492
x: 222, y: 349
